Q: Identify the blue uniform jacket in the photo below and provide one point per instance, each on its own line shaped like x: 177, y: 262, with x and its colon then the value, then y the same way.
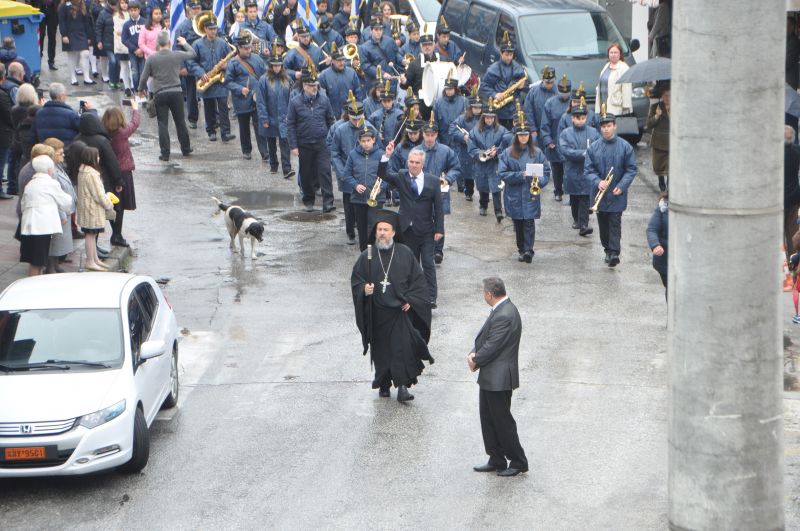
x: 412, y: 47
x: 209, y: 53
x: 272, y: 103
x: 184, y: 30
x: 362, y: 168
x: 485, y: 173
x: 130, y: 33
x: 238, y: 77
x: 340, y: 22
x: 553, y: 110
x: 386, y: 128
x: 311, y: 117
x: 517, y: 198
x: 459, y: 145
x: 336, y: 85
x: 566, y: 121
x: 294, y: 61
x: 498, y: 78
x: 658, y: 234
x: 366, y: 33
x: 447, y: 110
x: 534, y: 105
x: 371, y: 105
x: 441, y: 159
x: 400, y: 155
x: 600, y: 157
x: 451, y: 52
x: 374, y: 54
x: 342, y: 139
x: 262, y: 30
x: 573, y: 143
x: 324, y: 39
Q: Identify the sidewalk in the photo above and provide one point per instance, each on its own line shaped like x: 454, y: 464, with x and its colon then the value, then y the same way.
x: 10, y: 267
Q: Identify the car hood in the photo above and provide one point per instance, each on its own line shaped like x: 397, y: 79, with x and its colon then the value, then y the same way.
x: 58, y: 395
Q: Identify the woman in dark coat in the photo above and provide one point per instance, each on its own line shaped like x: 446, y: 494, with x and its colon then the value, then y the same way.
x: 93, y: 134
x: 24, y: 137
x: 658, y: 125
x: 120, y: 130
x: 77, y: 34
x: 658, y: 237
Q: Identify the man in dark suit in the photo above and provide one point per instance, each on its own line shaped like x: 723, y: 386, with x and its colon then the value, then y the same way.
x: 496, y: 355
x: 421, y: 216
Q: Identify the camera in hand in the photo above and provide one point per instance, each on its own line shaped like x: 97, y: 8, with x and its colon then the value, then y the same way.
x: 126, y: 103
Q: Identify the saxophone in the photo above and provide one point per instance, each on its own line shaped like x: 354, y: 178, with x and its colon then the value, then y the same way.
x: 216, y: 74
x: 507, y: 95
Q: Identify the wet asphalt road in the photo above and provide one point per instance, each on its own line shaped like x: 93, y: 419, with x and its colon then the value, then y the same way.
x: 277, y: 426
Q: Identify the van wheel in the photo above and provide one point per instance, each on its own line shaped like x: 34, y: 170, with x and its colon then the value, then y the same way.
x: 141, y: 445
x: 174, y: 383
x: 632, y: 139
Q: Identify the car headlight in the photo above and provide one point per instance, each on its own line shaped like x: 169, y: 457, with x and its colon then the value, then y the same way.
x: 92, y: 420
x: 639, y: 92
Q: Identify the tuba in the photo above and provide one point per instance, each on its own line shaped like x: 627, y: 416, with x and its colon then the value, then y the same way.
x: 252, y: 40
x: 200, y: 20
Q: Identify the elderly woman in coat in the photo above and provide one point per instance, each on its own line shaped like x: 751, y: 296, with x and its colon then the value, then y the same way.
x: 41, y: 202
x: 272, y: 103
x: 521, y: 206
x: 61, y: 244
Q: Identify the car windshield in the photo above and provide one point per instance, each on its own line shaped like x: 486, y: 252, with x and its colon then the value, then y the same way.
x: 578, y: 34
x: 73, y: 338
x: 429, y: 9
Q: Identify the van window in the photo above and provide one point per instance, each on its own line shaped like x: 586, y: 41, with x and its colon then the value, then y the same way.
x: 577, y: 34
x: 479, y: 22
x: 506, y: 24
x: 455, y: 12
x: 429, y: 9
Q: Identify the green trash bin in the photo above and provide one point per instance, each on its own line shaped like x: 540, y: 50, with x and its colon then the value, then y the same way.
x: 21, y: 22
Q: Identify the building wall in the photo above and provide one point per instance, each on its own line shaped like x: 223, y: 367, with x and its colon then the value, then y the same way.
x: 631, y: 19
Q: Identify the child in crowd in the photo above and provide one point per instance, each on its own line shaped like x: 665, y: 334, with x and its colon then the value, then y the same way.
x: 120, y: 131
x: 93, y: 205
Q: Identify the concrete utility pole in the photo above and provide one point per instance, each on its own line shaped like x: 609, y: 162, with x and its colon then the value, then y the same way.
x: 726, y: 204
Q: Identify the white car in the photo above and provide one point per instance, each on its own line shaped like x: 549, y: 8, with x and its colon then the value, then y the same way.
x: 86, y: 362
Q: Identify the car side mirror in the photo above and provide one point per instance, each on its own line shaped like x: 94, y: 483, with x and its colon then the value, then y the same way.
x: 635, y: 45
x: 151, y: 349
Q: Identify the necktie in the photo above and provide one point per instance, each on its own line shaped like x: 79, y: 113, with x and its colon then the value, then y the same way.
x: 414, y: 186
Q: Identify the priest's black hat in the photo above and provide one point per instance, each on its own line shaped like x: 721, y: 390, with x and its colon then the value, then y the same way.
x: 376, y: 216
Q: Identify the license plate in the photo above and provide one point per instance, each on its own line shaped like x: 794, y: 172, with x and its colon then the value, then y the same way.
x: 21, y: 454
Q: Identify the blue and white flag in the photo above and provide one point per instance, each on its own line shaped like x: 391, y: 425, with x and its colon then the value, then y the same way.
x: 176, y: 16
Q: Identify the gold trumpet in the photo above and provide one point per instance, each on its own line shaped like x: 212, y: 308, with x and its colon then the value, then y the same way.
x: 373, y: 194
x: 601, y: 193
x: 535, y: 188
x: 486, y: 154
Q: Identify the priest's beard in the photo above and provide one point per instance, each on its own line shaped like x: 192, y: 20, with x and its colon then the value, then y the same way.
x: 383, y: 245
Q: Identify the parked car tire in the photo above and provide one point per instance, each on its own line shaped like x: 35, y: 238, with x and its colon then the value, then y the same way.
x: 174, y: 381
x: 141, y: 445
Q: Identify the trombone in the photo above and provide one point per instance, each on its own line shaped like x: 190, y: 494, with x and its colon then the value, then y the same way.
x: 601, y: 193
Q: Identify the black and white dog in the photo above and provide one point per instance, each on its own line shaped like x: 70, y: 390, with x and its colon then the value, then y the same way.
x: 241, y: 223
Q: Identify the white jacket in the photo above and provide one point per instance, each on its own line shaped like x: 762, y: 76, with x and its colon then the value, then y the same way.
x: 619, y: 94
x: 118, y: 23
x: 40, y: 203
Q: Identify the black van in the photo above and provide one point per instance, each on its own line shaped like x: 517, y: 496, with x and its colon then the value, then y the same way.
x: 570, y: 35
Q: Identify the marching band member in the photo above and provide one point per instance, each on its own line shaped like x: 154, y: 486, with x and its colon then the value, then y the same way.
x: 339, y: 79
x: 283, y: 14
x: 447, y: 49
x: 341, y: 20
x: 413, y: 74
x: 188, y: 81
x: 449, y: 107
x: 298, y: 57
x: 261, y: 28
x: 500, y: 77
x: 241, y: 79
x: 379, y: 50
x: 523, y: 206
x: 566, y: 118
x: 411, y: 138
x: 272, y: 103
x: 459, y: 139
x: 535, y: 100
x: 342, y: 139
x: 372, y: 103
x: 211, y: 50
x: 573, y: 143
x: 486, y: 142
x: 325, y: 37
x: 360, y: 174
x: 553, y: 110
x: 412, y: 45
x: 442, y: 163
x: 609, y: 152
x: 388, y: 118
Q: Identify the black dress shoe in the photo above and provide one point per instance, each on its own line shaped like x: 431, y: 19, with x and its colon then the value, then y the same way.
x: 212, y: 137
x: 119, y: 242
x: 510, y: 472
x: 499, y: 217
x: 558, y: 198
x: 328, y: 209
x: 606, y: 258
x: 437, y: 258
x: 433, y: 305
x: 488, y: 467
x: 384, y: 392
x: 52, y: 66
x: 272, y: 169
x: 403, y: 395
x: 228, y: 138
x: 187, y: 152
x: 521, y: 257
x: 468, y: 198
x: 351, y: 240
x: 528, y: 257
x: 575, y: 225
x: 192, y: 125
x: 247, y: 156
x: 290, y: 174
x: 482, y: 211
x: 163, y: 158
x: 309, y: 207
x: 585, y: 231
x: 613, y: 260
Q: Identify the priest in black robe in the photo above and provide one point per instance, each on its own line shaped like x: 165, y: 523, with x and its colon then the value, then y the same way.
x: 392, y: 306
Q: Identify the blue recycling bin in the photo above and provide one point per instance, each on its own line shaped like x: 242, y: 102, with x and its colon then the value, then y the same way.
x: 21, y: 22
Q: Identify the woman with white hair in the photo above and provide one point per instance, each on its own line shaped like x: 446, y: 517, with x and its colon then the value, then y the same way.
x: 41, y: 201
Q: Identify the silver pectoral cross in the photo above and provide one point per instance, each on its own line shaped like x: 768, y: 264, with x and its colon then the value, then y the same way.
x: 385, y: 282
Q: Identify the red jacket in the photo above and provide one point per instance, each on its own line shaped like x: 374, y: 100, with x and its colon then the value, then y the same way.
x: 119, y: 143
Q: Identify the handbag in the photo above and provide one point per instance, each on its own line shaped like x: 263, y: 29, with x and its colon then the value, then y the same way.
x: 627, y: 125
x: 111, y: 214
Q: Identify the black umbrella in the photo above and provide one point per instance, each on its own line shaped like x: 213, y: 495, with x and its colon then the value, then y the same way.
x: 657, y: 69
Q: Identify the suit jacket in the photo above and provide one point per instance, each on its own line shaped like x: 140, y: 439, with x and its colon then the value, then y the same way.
x: 497, y: 349
x: 422, y: 213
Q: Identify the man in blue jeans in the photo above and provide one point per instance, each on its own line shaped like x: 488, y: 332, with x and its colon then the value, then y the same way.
x: 130, y: 38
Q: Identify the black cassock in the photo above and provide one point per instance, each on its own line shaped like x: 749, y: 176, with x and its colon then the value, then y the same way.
x: 397, y: 340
